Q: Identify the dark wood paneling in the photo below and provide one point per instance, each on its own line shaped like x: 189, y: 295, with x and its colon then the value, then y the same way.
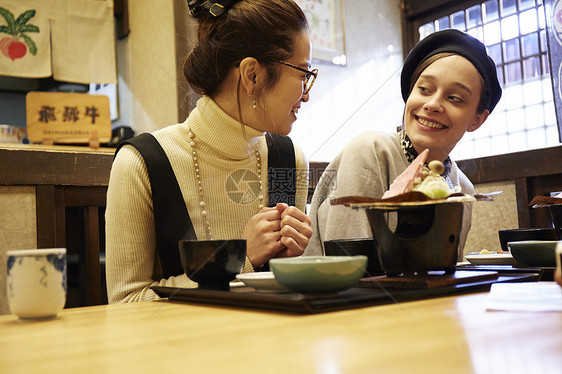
x: 85, y: 196
x: 22, y: 166
x: 538, y: 162
x: 315, y: 170
x: 536, y: 172
x: 91, y: 275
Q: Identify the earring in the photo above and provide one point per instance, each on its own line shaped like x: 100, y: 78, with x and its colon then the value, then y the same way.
x: 254, y: 103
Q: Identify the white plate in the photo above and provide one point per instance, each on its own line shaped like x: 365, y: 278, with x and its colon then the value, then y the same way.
x: 261, y: 281
x: 492, y: 259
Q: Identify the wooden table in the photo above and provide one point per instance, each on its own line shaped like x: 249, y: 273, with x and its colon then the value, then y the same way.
x: 443, y: 335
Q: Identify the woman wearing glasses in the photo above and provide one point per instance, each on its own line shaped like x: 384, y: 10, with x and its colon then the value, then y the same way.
x: 449, y: 85
x: 232, y: 166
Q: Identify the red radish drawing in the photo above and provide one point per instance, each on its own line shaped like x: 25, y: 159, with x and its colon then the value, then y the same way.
x: 12, y: 46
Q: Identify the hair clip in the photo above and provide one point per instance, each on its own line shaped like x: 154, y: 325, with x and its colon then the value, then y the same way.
x: 194, y: 7
x: 212, y: 8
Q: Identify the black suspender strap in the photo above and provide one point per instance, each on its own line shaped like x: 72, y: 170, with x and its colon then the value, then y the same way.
x: 282, y: 170
x: 171, y: 219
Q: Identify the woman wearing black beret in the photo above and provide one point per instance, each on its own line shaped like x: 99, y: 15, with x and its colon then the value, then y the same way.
x: 449, y: 85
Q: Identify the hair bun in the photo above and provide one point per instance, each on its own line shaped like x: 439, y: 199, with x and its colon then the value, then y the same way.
x: 212, y: 8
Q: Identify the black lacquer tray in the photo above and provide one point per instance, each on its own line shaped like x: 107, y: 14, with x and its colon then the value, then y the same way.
x: 355, y: 297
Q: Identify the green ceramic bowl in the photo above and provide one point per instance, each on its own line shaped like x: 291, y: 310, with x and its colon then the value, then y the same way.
x: 318, y: 274
x: 534, y: 253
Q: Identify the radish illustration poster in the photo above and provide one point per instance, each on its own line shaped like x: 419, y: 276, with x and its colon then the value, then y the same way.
x: 16, y: 44
x: 24, y: 40
x: 71, y: 40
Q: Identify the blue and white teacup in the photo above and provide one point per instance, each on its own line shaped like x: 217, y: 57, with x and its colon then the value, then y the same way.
x: 36, y: 282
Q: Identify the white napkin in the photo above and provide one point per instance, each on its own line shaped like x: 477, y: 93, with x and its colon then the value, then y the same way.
x: 525, y: 297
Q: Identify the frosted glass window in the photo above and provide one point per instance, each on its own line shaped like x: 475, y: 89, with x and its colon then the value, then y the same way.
x: 508, y: 7
x: 497, y: 124
x: 500, y: 144
x: 513, y: 97
x: 443, y: 23
x: 484, y: 145
x: 526, y: 4
x: 536, y: 138
x: 532, y: 92
x: 534, y: 116
x: 530, y: 44
x: 495, y: 52
x: 552, y: 136
x: 528, y: 21
x: 458, y: 21
x: 516, y: 120
x: 482, y: 132
x: 510, y: 27
x: 490, y: 10
x: 549, y: 114
x: 474, y: 16
x: 518, y: 141
x: 492, y: 34
x: 511, y: 50
x: 426, y: 29
x: 531, y: 67
x: 513, y: 72
x: 542, y: 20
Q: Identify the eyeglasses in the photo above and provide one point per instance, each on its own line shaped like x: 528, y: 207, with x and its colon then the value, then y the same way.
x: 310, y: 75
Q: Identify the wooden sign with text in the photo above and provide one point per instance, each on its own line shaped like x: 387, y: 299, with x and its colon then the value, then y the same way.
x: 60, y: 117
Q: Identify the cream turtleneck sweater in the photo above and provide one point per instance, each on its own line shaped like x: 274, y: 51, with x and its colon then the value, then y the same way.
x: 223, y: 145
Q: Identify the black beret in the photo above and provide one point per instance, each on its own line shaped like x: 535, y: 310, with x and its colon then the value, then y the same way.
x: 458, y: 42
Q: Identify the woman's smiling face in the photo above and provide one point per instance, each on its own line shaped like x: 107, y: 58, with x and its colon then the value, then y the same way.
x: 284, y: 100
x: 443, y: 106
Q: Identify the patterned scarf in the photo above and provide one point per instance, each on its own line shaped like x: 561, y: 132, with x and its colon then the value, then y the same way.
x: 411, y: 154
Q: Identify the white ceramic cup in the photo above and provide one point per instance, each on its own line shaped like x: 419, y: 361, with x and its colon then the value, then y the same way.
x: 36, y: 282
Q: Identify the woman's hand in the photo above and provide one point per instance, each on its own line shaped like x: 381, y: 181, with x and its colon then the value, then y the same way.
x: 263, y: 237
x: 295, y: 230
x: 282, y: 231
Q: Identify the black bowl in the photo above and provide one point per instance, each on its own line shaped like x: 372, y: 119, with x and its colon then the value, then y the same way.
x: 534, y: 253
x: 355, y: 247
x: 212, y: 263
x: 425, y: 238
x: 519, y: 235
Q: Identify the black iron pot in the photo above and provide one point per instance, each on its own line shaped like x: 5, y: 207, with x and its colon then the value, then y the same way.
x: 426, y: 237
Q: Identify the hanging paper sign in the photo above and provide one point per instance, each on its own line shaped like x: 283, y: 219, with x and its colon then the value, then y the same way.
x: 60, y: 117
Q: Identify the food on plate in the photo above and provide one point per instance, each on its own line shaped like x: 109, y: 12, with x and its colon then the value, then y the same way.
x: 405, y: 181
x: 424, y: 179
x: 484, y: 251
x: 432, y: 183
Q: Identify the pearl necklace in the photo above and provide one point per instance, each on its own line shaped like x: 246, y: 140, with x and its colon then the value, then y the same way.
x: 202, y: 204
